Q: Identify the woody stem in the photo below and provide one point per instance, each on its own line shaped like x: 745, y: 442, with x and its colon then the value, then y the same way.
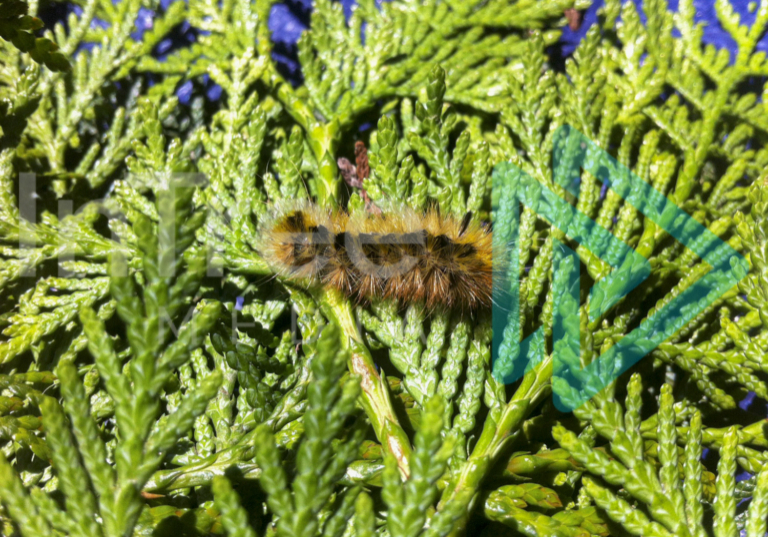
x: 375, y: 392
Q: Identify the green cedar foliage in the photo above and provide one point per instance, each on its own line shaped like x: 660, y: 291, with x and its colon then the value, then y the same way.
x: 16, y: 26
x: 100, y: 498
x: 663, y: 483
x: 156, y: 378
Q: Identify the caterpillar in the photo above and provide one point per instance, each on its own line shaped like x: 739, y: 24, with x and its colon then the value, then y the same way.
x: 435, y: 259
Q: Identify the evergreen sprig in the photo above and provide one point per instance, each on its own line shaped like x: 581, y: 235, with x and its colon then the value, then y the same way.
x: 320, y: 462
x: 151, y: 364
x: 16, y: 27
x: 667, y: 480
x: 99, y: 498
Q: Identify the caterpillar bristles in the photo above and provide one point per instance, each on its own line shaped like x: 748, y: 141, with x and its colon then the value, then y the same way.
x: 434, y: 259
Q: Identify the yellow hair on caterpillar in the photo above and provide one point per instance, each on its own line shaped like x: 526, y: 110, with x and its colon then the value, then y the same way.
x: 412, y: 257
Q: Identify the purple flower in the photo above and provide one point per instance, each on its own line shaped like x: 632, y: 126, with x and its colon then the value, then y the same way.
x: 714, y: 33
x: 348, y: 6
x: 285, y: 25
x: 745, y: 403
x: 164, y: 46
x: 213, y: 91
x: 185, y: 92
x: 144, y: 22
x: 743, y: 476
x: 287, y: 21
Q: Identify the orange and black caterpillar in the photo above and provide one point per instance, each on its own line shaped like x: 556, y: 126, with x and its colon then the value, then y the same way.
x: 402, y: 254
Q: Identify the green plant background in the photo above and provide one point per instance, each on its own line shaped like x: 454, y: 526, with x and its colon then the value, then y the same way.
x: 143, y: 394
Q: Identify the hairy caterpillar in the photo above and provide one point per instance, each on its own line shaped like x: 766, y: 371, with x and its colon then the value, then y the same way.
x: 413, y: 257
